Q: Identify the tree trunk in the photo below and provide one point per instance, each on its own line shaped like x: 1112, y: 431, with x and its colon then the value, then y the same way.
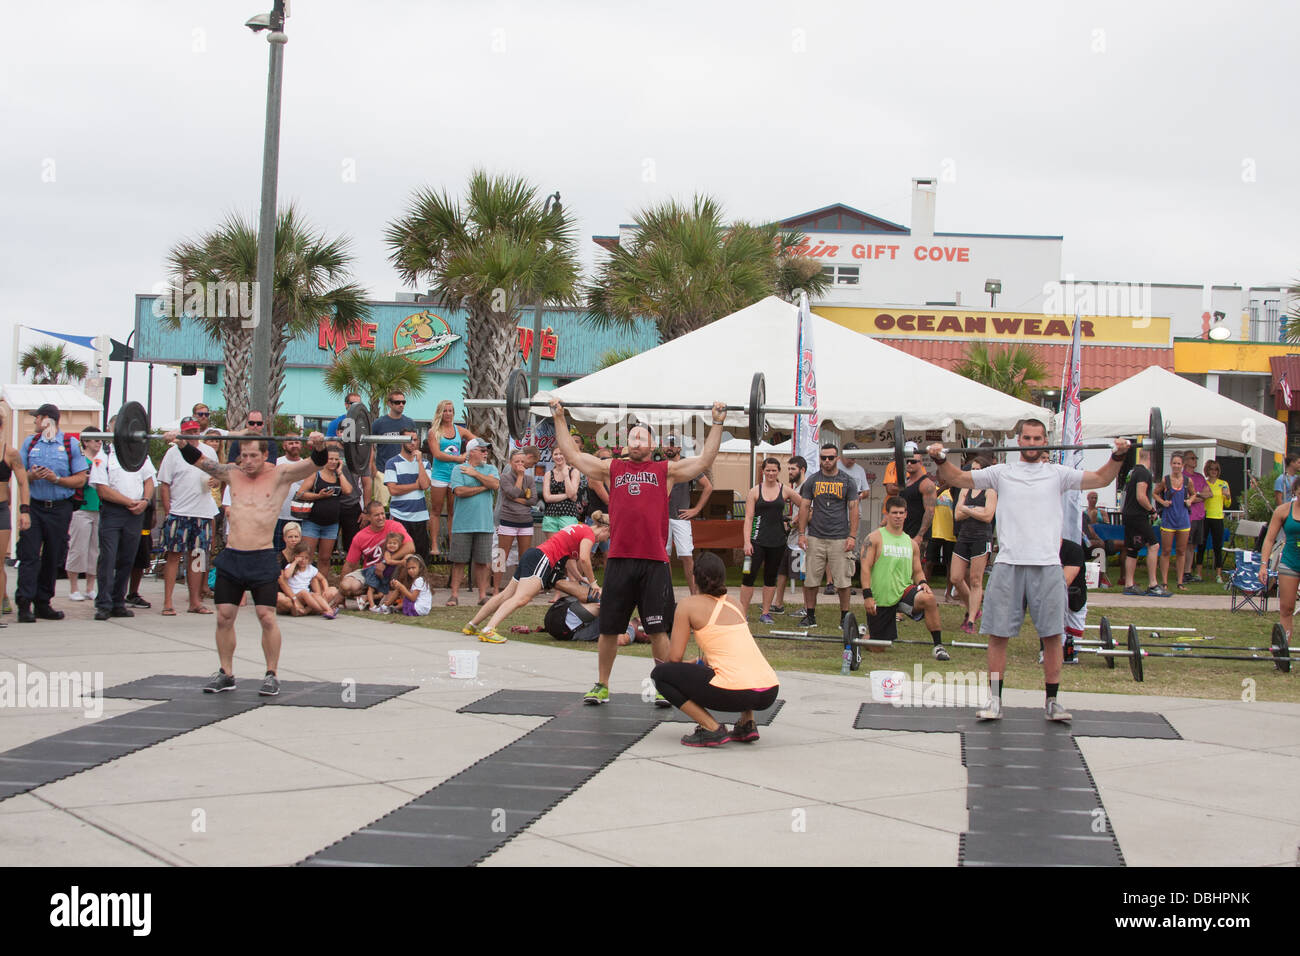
x: 492, y: 353
x: 279, y: 346
x: 237, y: 347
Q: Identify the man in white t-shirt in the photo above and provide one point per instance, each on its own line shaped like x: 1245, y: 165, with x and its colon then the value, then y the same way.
x: 1028, y: 570
x: 187, y: 529
x: 123, y: 497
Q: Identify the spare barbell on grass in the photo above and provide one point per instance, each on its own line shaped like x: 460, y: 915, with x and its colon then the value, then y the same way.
x: 519, y: 405
x: 130, y: 437
x: 1136, y: 653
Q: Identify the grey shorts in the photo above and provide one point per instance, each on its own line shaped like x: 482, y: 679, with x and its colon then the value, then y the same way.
x: 473, y: 546
x: 1014, y: 587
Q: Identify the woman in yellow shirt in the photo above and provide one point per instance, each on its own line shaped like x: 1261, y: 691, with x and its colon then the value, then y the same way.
x: 736, y: 676
x: 1220, y: 497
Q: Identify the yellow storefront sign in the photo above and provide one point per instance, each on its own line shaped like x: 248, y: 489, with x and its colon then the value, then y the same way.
x: 1028, y: 327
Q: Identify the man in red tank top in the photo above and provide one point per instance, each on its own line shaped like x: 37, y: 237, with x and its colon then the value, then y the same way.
x: 637, y: 574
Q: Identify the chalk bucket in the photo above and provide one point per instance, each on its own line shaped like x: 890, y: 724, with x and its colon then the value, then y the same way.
x: 887, y: 686
x: 1092, y: 573
x: 464, y: 664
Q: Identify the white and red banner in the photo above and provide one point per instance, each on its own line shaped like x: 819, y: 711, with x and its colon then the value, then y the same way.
x: 807, y: 428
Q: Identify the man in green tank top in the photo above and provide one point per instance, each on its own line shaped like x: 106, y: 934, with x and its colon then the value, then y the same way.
x: 892, y: 564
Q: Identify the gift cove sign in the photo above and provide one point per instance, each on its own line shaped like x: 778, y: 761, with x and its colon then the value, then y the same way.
x: 1027, y: 327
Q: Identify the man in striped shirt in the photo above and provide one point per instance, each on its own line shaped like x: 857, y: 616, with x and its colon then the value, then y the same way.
x: 407, y: 482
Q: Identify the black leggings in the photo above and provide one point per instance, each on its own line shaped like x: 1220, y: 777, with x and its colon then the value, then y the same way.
x: 1213, y: 529
x: 769, y: 559
x: 682, y: 682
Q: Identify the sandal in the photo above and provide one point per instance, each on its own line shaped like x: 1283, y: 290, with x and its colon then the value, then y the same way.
x: 201, y: 609
x: 521, y: 629
x: 169, y: 612
x: 451, y: 601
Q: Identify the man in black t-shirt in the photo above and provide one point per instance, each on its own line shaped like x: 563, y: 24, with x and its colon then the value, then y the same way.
x: 1138, y: 533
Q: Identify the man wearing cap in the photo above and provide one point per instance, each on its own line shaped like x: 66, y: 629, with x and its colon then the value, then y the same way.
x: 187, y: 529
x: 123, y: 497
x: 473, y: 483
x: 680, y: 513
x: 55, y: 469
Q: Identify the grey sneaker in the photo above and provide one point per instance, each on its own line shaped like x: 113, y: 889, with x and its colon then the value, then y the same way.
x: 993, y: 711
x: 220, y: 681
x: 270, y: 686
x: 1056, y: 712
x: 1160, y: 592
x: 940, y: 654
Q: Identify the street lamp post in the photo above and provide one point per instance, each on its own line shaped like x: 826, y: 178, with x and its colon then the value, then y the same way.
x: 261, y: 371
x: 535, y: 369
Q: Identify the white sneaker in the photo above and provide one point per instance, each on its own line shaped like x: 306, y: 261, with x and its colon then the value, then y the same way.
x: 76, y: 596
x: 361, y: 604
x: 1055, y: 711
x: 993, y: 711
x: 90, y: 595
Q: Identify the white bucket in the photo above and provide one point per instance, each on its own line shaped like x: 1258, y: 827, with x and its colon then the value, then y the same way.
x: 1092, y: 573
x: 887, y: 686
x: 464, y: 664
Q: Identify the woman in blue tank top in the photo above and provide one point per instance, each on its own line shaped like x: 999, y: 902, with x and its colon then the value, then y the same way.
x: 1174, y: 496
x: 446, y: 447
x: 1286, y: 521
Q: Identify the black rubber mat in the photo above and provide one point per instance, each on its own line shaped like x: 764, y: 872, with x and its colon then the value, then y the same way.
x: 1030, y: 795
x: 184, y: 708
x: 470, y: 816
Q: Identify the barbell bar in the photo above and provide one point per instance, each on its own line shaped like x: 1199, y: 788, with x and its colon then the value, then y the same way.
x: 519, y: 405
x: 1136, y: 653
x: 130, y: 437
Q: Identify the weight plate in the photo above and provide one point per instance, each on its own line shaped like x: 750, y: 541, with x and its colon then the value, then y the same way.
x: 1281, y: 649
x: 517, y: 404
x: 757, y: 399
x: 130, y: 449
x: 1157, y: 433
x: 900, y: 469
x: 849, y: 627
x: 1107, y: 642
x: 351, y: 430
x: 1135, y: 653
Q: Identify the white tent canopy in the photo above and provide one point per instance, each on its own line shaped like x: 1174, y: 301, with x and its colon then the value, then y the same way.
x: 861, y: 383
x: 1188, y: 409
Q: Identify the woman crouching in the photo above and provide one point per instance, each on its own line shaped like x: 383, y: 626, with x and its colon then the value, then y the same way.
x: 736, y: 676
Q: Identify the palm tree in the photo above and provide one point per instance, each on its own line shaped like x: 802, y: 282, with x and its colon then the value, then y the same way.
x: 51, y: 365
x: 1011, y: 370
x: 616, y: 355
x: 310, y: 285
x: 1291, y: 321
x: 492, y: 255
x: 374, y: 375
x: 686, y: 267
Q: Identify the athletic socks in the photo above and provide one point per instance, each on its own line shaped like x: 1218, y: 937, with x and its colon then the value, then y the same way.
x: 1052, y: 690
x: 936, y: 636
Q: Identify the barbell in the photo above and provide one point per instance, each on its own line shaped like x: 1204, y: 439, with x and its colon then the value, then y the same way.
x: 1155, y: 438
x: 519, y: 405
x: 1136, y: 653
x: 130, y: 437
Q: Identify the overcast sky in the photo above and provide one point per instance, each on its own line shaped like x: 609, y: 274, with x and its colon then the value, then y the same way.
x: 1159, y: 139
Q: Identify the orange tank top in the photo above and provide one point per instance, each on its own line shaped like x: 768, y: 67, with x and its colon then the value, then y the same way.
x: 730, y: 649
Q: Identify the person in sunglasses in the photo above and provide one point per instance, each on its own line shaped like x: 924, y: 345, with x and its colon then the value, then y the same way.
x: 395, y: 422
x: 255, y: 424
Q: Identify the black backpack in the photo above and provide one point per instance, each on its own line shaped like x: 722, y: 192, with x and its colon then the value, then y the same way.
x: 557, y: 626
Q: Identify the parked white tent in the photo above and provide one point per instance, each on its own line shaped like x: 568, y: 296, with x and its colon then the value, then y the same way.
x: 861, y: 383
x: 1189, y: 411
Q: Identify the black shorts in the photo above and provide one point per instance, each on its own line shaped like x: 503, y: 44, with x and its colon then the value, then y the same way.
x: 968, y: 551
x: 257, y: 572
x: 939, y: 551
x: 5, y: 520
x: 637, y: 583
x: 144, y: 553
x: 535, y: 564
x: 883, y: 625
x: 1138, y: 534
x: 768, y: 559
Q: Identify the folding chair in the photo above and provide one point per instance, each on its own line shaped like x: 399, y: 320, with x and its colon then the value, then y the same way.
x: 1244, y: 589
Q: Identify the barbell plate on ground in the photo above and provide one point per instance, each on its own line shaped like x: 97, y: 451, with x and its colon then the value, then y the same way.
x: 129, y: 448
x: 1281, y: 649
x: 757, y: 399
x: 352, y: 430
x: 1156, y: 429
x: 1135, y: 653
x: 518, y: 407
x: 849, y: 631
x: 1107, y: 642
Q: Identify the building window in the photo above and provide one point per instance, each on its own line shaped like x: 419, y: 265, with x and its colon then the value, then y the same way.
x: 842, y: 275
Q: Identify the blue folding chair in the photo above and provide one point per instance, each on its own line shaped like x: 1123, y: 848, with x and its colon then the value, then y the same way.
x: 1244, y: 588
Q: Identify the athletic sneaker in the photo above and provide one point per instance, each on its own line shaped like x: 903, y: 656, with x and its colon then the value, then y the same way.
x: 270, y: 686
x: 940, y: 654
x: 967, y: 627
x: 707, y: 738
x: 765, y: 619
x: 1159, y: 591
x: 993, y: 711
x: 745, y: 733
x: 597, y: 695
x: 1055, y: 711
x: 661, y: 700
x: 470, y: 629
x: 806, y: 620
x: 1040, y: 657
x: 489, y: 635
x: 76, y: 596
x: 7, y: 608
x: 220, y: 681
x: 829, y: 590
x: 776, y: 609
x: 134, y: 600
x: 1134, y: 592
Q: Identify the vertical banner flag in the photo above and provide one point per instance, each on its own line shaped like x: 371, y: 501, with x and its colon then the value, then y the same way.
x: 1286, y: 391
x: 807, y: 428
x: 1072, y: 434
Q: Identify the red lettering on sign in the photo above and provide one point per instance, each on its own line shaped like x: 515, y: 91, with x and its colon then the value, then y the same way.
x: 1057, y: 327
x: 892, y: 251
x: 907, y: 323
x: 925, y: 323
x: 919, y: 252
x: 949, y: 323
x: 367, y: 337
x: 1033, y: 326
x: 859, y: 251
x: 975, y: 323
x: 1004, y: 326
x: 549, y: 342
x: 884, y: 322
x: 1087, y: 329
x: 360, y: 334
x: 525, y: 337
x: 963, y: 254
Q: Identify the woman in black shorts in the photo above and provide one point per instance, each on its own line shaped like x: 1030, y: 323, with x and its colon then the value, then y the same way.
x: 974, y: 518
x: 765, y: 544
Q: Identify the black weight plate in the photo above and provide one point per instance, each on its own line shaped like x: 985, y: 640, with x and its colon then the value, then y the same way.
x: 517, y: 404
x: 1157, y: 434
x: 1107, y: 642
x: 757, y: 399
x: 1281, y: 649
x: 352, y: 429
x: 850, y: 633
x: 130, y: 441
x: 900, y: 469
x: 1135, y: 653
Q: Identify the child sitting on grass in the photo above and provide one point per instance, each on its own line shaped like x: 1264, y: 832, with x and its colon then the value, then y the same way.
x: 410, y: 592
x: 305, y: 586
